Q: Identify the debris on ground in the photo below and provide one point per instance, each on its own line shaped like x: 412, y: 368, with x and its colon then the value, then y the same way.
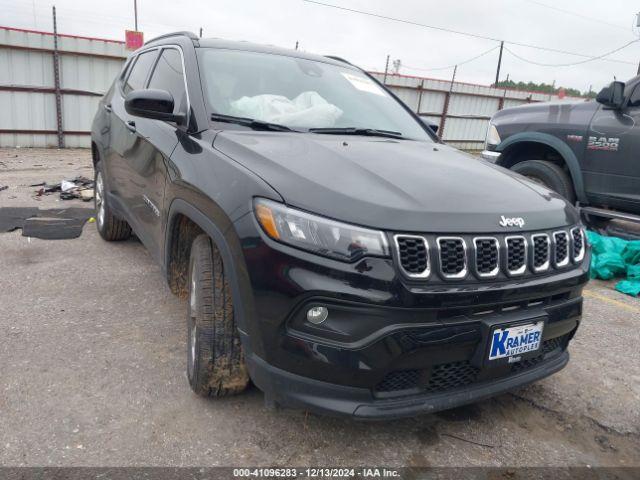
x: 51, y: 224
x: 614, y: 257
x: 80, y: 187
x: 3, y: 187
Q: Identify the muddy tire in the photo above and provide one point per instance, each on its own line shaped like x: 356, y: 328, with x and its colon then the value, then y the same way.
x: 215, y: 361
x: 549, y: 174
x: 110, y: 227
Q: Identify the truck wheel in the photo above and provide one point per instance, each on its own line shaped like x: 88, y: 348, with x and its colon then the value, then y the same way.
x: 109, y: 226
x: 548, y: 174
x: 215, y: 361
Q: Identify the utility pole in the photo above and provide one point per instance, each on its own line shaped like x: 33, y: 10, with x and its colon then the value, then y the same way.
x: 386, y: 70
x: 499, y: 63
x: 56, y: 82
x: 445, y: 108
x: 638, y: 25
x: 200, y: 32
x: 135, y: 13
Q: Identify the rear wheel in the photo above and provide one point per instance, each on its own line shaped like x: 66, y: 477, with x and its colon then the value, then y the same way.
x: 110, y: 227
x: 548, y: 174
x: 215, y: 361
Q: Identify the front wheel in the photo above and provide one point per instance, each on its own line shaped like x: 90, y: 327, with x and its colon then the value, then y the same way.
x: 110, y: 227
x: 215, y: 360
x: 548, y: 174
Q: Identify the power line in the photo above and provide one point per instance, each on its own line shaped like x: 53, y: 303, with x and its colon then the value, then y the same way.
x: 576, y: 14
x: 570, y: 64
x: 459, y: 32
x: 450, y: 66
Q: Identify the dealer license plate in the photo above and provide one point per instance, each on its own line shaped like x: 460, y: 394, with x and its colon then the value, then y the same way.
x: 517, y: 340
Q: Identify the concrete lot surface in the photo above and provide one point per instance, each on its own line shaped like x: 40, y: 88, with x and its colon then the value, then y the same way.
x: 92, y: 373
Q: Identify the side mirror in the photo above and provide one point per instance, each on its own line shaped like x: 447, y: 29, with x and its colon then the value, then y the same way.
x: 612, y: 96
x: 428, y: 123
x: 155, y: 104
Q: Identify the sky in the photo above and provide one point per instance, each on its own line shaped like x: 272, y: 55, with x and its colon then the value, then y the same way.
x: 587, y: 27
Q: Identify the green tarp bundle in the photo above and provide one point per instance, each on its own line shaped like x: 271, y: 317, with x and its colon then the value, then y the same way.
x: 614, y: 257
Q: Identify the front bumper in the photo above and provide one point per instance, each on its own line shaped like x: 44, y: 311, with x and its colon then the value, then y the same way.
x: 299, y: 392
x: 391, y: 347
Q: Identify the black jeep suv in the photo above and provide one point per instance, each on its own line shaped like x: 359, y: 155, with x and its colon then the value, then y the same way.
x: 328, y: 247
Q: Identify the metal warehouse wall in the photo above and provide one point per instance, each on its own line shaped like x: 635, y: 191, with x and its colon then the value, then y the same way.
x: 28, y: 115
x: 463, y: 110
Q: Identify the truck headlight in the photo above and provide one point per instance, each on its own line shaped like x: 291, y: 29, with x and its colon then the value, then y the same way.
x: 493, y: 137
x: 318, y: 235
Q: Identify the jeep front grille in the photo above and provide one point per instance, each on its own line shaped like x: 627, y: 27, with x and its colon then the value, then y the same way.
x: 578, y: 247
x: 487, y: 256
x: 516, y: 255
x: 561, y: 249
x: 413, y: 252
x: 541, y: 247
x: 498, y: 256
x: 453, y: 257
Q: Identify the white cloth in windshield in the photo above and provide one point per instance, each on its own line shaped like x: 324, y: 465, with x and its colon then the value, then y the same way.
x: 308, y: 109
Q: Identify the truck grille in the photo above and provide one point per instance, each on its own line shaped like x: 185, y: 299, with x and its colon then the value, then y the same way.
x: 500, y: 256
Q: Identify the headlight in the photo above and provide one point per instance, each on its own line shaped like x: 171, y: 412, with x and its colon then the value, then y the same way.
x: 317, y: 234
x: 493, y: 137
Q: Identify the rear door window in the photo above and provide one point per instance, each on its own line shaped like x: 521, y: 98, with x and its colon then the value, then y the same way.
x: 139, y: 71
x: 168, y: 75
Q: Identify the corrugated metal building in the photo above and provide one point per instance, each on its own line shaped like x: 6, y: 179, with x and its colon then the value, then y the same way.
x: 463, y: 110
x: 29, y: 114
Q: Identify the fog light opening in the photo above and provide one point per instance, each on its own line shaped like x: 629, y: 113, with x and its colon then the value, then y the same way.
x: 317, y: 315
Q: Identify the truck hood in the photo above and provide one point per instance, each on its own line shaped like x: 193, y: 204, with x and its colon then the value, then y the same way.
x: 549, y: 112
x: 398, y: 185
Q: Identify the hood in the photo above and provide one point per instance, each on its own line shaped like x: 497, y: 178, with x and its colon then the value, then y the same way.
x: 398, y: 185
x: 549, y: 112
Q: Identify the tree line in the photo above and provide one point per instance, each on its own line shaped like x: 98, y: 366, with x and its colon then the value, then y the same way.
x: 543, y: 87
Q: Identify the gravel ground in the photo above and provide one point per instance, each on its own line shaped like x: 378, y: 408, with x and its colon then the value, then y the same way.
x: 93, y: 373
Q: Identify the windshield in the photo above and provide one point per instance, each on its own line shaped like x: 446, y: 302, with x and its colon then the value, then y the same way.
x: 300, y: 94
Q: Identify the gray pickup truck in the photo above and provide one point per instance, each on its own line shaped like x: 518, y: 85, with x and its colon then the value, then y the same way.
x: 587, y: 151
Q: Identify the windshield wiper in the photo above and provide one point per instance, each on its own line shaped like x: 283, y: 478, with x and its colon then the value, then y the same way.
x: 371, y: 132
x: 250, y: 122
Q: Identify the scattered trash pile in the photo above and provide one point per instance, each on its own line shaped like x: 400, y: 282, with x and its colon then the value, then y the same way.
x: 614, y: 257
x: 80, y: 187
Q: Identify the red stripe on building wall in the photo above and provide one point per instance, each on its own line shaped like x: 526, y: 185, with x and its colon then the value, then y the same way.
x: 13, y: 29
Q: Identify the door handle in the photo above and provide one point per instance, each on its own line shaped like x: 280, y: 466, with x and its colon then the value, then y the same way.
x: 107, y: 107
x: 131, y: 126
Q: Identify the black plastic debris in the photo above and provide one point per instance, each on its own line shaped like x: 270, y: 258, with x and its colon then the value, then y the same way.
x: 50, y: 224
x: 80, y: 187
x: 12, y: 218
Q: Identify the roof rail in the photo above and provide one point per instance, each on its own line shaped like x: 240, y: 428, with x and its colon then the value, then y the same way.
x: 190, y: 35
x: 339, y: 59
